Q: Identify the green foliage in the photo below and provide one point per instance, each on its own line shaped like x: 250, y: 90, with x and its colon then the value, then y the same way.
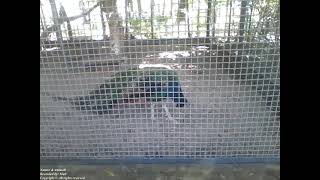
x: 135, y: 22
x: 268, y: 19
x: 248, y: 36
x: 141, y: 26
x: 161, y: 19
x: 265, y: 7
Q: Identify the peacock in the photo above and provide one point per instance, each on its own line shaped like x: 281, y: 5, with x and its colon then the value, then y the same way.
x: 152, y: 83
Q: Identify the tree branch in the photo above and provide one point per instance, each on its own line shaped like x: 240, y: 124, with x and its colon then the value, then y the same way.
x: 81, y: 15
x: 61, y: 20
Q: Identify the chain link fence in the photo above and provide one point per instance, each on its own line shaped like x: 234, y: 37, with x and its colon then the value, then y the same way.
x: 159, y: 80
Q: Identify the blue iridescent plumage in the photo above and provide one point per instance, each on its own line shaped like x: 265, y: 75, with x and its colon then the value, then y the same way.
x: 153, y: 84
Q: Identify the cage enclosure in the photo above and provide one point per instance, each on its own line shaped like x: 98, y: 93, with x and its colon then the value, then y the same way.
x: 159, y: 81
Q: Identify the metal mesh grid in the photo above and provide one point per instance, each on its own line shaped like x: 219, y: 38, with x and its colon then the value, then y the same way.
x: 224, y: 54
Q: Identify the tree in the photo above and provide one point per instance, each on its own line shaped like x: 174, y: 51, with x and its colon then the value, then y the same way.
x: 42, y: 25
x: 55, y: 17
x: 128, y: 16
x: 102, y: 22
x: 181, y: 15
x: 139, y: 8
x: 59, y: 21
x: 42, y: 18
x: 151, y: 20
x: 164, y: 5
x: 243, y: 15
x: 277, y: 23
x: 183, y: 7
x: 249, y: 22
x: 214, y: 17
x: 63, y: 14
x: 83, y: 9
x: 229, y: 21
x: 115, y: 25
x: 188, y: 23
x: 208, y: 18
x: 126, y: 19
x: 57, y: 27
x: 267, y: 17
x: 198, y: 19
x: 226, y: 17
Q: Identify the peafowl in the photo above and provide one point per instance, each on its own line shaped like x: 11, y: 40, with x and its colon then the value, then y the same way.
x: 153, y: 84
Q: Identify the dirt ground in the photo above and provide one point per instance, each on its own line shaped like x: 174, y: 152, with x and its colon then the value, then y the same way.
x: 223, y: 118
x: 169, y: 172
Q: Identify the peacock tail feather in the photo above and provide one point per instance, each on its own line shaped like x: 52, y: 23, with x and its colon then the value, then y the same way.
x: 152, y: 83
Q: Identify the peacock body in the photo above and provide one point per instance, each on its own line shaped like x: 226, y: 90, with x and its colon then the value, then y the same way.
x: 151, y: 83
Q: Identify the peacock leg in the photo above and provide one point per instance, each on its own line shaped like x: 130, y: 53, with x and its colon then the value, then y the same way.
x: 152, y: 111
x: 168, y: 113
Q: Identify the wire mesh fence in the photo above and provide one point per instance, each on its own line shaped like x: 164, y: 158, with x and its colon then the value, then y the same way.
x: 178, y: 79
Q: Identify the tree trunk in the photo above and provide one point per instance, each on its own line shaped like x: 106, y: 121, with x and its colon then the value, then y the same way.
x: 277, y: 32
x: 83, y: 9
x: 126, y: 19
x: 42, y: 25
x: 115, y: 25
x: 249, y: 21
x: 130, y: 4
x: 163, y: 7
x: 43, y: 19
x: 188, y: 23
x: 229, y: 22
x: 60, y: 21
x: 226, y: 17
x: 181, y: 16
x: 256, y: 29
x: 102, y: 23
x: 55, y: 17
x: 242, y: 21
x: 214, y: 19
x: 243, y: 14
x: 151, y: 21
x: 57, y: 29
x: 63, y: 14
x: 198, y: 19
x: 208, y: 19
x: 139, y: 8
